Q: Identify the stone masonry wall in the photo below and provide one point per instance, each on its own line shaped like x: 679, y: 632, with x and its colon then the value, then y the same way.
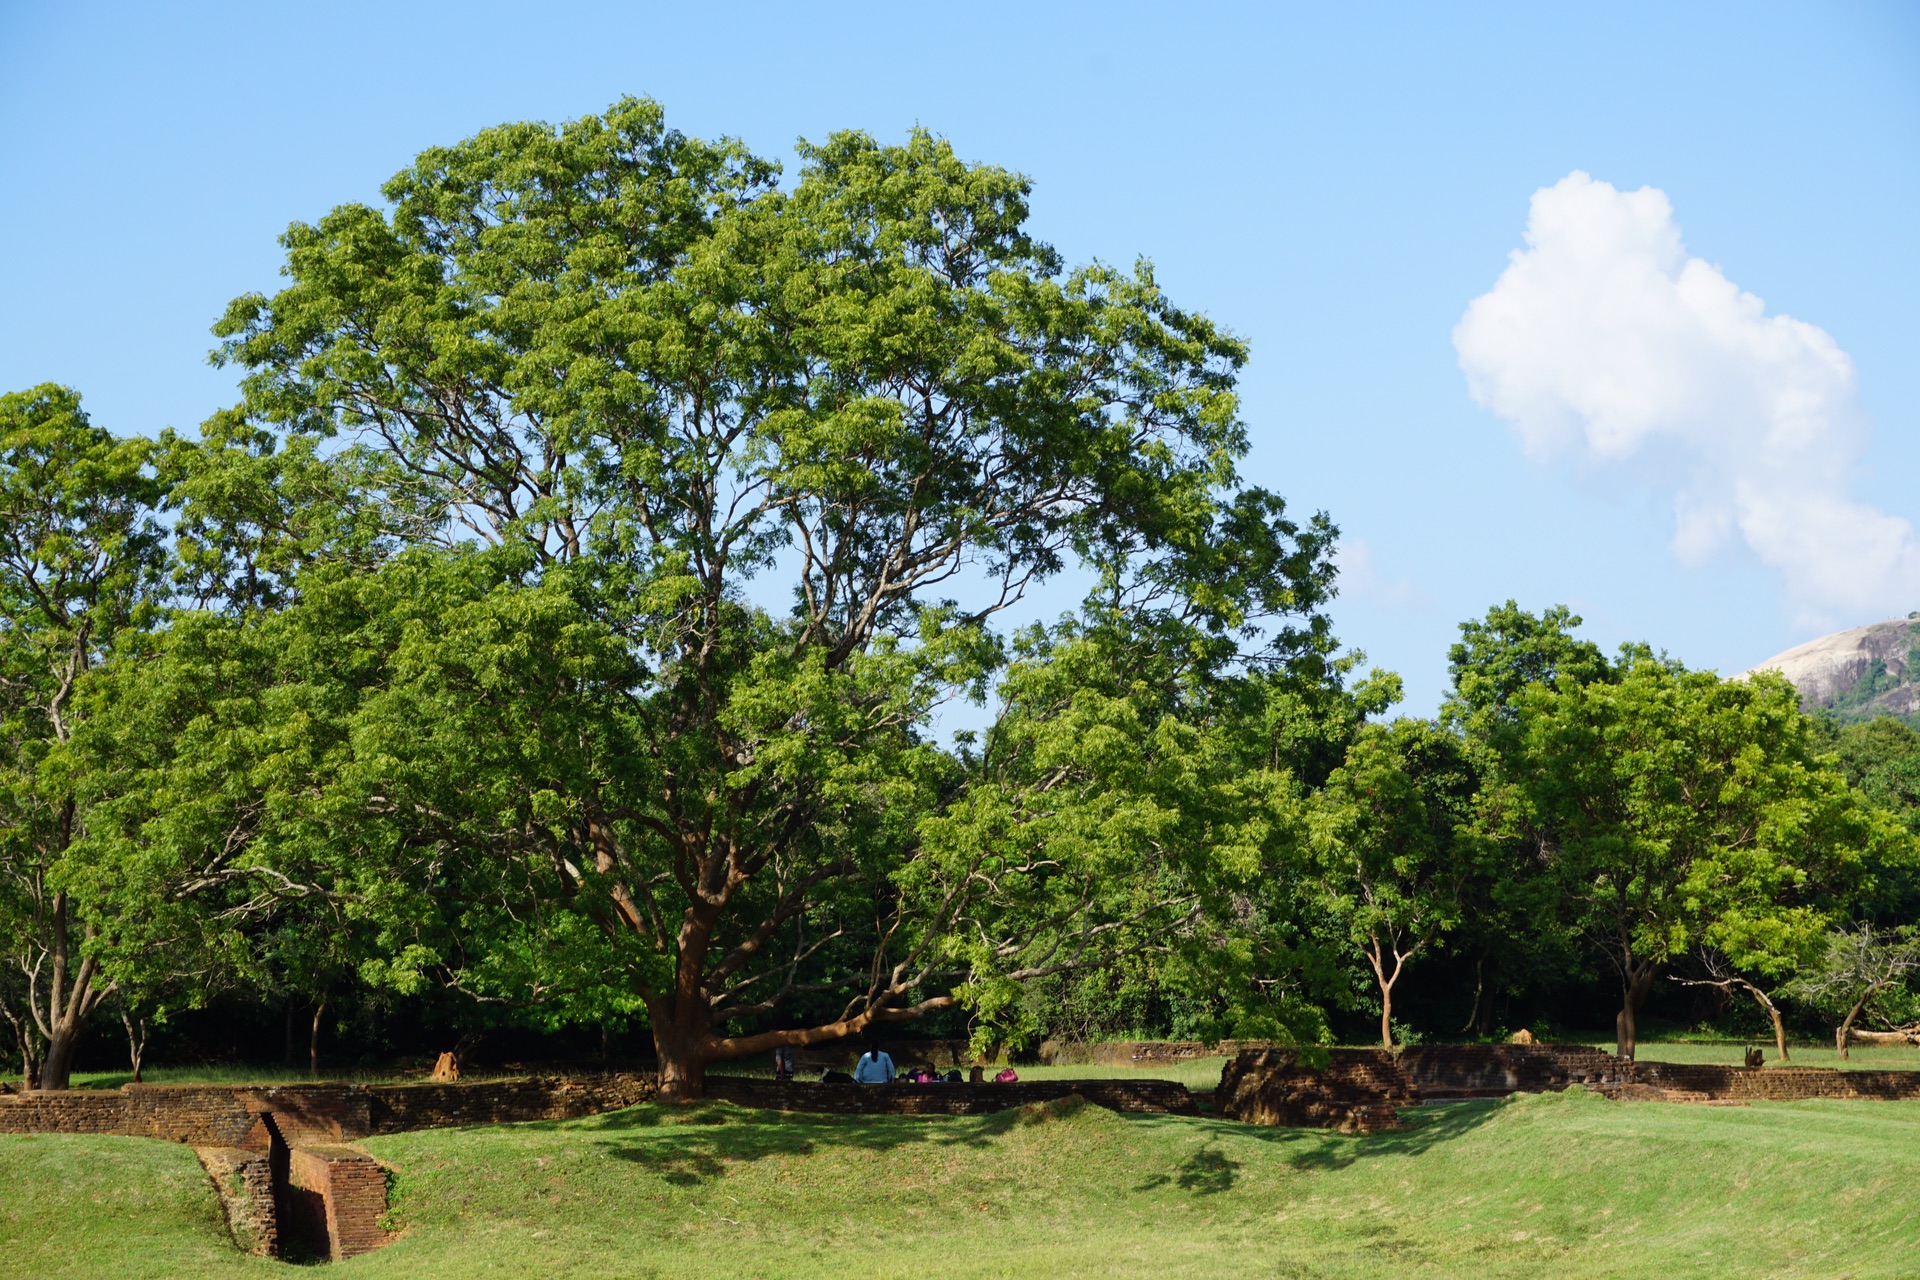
x: 1780, y: 1084
x: 1141, y: 1053
x: 71, y: 1111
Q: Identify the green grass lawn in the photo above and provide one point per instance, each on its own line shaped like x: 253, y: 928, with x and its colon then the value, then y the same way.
x: 1561, y: 1185
x: 1863, y: 1057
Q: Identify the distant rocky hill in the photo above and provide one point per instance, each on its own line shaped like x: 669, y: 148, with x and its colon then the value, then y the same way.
x: 1868, y: 671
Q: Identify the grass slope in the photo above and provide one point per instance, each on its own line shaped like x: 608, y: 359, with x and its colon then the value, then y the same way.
x: 128, y: 1208
x: 1567, y: 1185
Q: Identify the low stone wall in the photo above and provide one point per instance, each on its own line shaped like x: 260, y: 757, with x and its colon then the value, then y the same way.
x: 1361, y: 1090
x: 224, y: 1116
x: 401, y: 1108
x: 1780, y: 1084
x: 70, y: 1111
x: 1159, y: 1097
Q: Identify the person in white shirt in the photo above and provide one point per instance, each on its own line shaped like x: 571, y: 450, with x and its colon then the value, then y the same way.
x: 874, y: 1067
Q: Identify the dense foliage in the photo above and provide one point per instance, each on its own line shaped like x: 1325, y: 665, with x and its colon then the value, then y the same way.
x: 569, y: 627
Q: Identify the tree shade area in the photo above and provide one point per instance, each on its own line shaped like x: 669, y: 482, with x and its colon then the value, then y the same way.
x: 550, y: 653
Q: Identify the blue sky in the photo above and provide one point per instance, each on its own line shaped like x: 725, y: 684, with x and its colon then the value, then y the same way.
x: 1335, y: 184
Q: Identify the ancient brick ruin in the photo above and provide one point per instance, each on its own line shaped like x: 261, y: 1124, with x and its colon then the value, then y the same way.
x: 1362, y: 1090
x: 282, y: 1158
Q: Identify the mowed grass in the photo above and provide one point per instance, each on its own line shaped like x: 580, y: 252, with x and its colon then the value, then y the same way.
x: 1903, y: 1057
x: 1556, y: 1184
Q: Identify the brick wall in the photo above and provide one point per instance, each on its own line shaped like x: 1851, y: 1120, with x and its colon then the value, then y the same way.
x: 1780, y: 1084
x: 73, y: 1111
x: 1360, y: 1089
x: 223, y: 1116
x: 399, y: 1108
x: 336, y: 1197
x: 244, y: 1179
x: 1150, y: 1096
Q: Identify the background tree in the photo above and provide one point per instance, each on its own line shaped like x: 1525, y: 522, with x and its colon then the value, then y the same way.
x: 81, y: 561
x: 1859, y: 971
x: 1671, y: 803
x: 1391, y: 847
x: 1512, y: 923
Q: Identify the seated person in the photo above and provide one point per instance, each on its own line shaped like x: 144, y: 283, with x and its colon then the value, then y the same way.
x: 874, y: 1067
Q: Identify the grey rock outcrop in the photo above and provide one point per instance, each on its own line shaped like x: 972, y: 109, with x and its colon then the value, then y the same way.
x: 1867, y: 671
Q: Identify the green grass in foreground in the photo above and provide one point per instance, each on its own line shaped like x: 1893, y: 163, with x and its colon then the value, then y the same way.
x: 1562, y: 1185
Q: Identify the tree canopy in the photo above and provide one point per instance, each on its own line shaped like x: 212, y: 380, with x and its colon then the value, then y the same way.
x: 578, y: 614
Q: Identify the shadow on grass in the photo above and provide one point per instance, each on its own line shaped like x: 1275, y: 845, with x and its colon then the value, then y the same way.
x: 1206, y: 1172
x: 1427, y: 1128
x: 692, y: 1145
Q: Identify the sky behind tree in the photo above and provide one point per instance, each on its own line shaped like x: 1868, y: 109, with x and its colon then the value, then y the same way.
x: 1689, y: 407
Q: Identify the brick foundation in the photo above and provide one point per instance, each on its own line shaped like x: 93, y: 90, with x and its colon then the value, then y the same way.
x: 335, y: 1197
x: 244, y: 1179
x: 401, y: 1108
x: 224, y: 1116
x: 1361, y: 1090
x: 278, y: 1155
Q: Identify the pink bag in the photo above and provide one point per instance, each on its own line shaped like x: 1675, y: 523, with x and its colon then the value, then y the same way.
x: 1007, y: 1076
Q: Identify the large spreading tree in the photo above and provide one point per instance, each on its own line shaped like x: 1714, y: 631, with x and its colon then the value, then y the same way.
x: 705, y: 496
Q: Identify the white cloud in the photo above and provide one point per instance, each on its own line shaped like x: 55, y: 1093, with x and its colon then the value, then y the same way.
x: 1362, y: 577
x: 1604, y: 341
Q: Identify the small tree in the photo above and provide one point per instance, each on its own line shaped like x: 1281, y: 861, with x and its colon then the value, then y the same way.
x: 1720, y: 974
x: 1389, y: 845
x: 1859, y: 971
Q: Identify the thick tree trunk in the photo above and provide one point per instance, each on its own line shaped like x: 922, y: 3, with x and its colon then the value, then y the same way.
x: 687, y: 1038
x: 1633, y: 995
x: 56, y: 1070
x: 683, y: 1070
x: 71, y: 999
x: 1386, y: 1013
